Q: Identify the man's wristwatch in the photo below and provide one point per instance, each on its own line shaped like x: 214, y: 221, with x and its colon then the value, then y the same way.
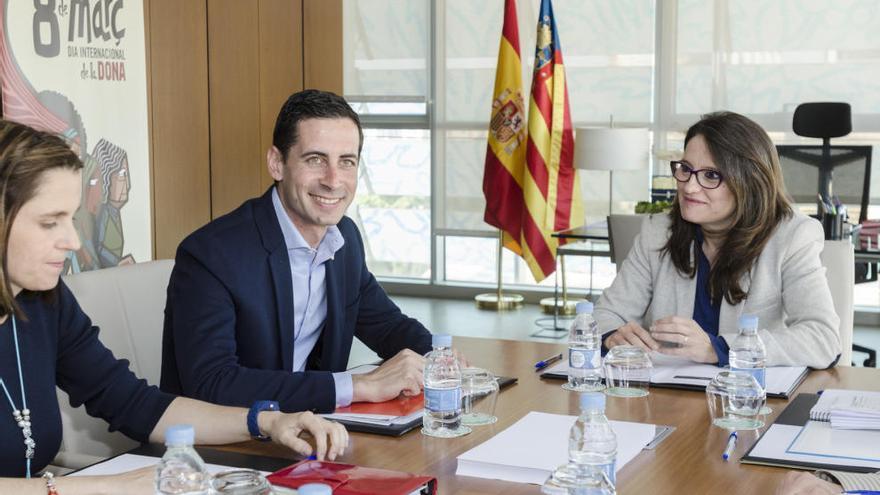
x: 258, y: 407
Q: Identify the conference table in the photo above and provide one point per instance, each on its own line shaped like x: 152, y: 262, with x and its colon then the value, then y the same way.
x: 687, y: 461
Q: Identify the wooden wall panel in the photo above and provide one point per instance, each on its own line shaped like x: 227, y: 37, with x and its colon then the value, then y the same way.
x: 281, y: 66
x: 234, y: 82
x: 322, y: 44
x: 219, y: 71
x: 178, y: 98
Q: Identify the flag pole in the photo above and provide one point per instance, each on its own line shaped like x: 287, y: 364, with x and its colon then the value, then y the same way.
x: 554, y: 305
x: 498, y: 301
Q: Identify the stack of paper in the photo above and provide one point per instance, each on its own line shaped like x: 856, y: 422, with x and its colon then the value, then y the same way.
x: 855, y: 419
x: 848, y: 409
x: 402, y: 410
x: 534, y: 446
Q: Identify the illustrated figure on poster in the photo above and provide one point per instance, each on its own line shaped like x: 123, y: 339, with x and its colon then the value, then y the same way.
x: 115, y: 184
x: 85, y: 258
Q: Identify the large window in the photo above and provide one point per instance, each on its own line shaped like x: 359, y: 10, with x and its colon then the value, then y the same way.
x: 421, y: 73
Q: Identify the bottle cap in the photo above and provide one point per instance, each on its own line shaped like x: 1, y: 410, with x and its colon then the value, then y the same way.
x: 314, y: 489
x: 592, y: 400
x: 748, y: 321
x: 180, y: 435
x: 441, y: 340
x: 584, y: 307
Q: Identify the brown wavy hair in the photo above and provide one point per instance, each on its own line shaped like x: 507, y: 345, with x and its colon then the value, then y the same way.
x: 746, y: 157
x: 25, y: 155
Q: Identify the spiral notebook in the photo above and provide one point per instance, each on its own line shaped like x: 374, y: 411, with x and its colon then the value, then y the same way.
x: 848, y: 409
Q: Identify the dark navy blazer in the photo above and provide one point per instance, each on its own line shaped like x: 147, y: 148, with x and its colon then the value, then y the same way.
x: 228, y: 334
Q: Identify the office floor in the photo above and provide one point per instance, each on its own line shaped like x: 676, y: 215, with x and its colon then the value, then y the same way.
x: 459, y: 317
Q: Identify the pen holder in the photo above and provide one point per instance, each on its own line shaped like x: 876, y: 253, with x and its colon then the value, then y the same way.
x: 833, y: 225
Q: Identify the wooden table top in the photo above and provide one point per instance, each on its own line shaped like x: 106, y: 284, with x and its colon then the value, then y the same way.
x: 688, y: 461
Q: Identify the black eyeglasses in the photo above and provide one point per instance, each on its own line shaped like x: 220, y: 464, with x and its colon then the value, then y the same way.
x: 708, y: 178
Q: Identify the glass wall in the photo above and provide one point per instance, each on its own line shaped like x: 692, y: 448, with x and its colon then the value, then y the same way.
x: 421, y: 73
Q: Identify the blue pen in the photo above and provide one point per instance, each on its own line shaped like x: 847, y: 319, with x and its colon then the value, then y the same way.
x: 863, y: 492
x: 731, y: 444
x: 547, y: 362
x: 312, y: 457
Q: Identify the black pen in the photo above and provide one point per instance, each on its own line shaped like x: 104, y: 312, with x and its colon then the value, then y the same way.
x: 547, y: 362
x: 685, y: 377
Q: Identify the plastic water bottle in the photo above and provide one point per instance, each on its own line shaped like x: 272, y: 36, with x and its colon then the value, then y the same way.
x: 584, y: 351
x: 442, y: 417
x: 592, y: 443
x: 181, y: 470
x: 592, y: 453
x: 747, y: 352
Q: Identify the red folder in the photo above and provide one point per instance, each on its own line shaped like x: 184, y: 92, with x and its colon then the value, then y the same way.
x: 401, y: 406
x: 348, y: 479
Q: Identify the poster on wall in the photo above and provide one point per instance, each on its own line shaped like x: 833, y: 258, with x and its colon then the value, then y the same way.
x: 77, y: 68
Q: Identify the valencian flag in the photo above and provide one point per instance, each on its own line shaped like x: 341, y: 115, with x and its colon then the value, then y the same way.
x: 531, y: 187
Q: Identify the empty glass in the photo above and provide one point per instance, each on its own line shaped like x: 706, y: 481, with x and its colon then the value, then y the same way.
x: 627, y: 371
x: 479, y: 394
x: 241, y: 482
x: 735, y: 400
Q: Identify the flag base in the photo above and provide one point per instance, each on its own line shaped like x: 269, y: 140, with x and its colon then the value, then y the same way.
x: 553, y: 305
x: 495, y: 302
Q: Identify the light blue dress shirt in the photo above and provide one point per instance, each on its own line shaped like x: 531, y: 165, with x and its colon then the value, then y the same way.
x: 308, y: 275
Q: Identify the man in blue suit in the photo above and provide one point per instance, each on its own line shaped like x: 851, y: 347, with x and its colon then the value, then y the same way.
x: 264, y: 302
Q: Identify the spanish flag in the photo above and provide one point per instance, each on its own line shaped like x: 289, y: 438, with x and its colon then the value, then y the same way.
x: 530, y: 185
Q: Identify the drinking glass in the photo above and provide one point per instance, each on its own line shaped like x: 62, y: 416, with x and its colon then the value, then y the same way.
x: 735, y: 399
x: 240, y: 482
x: 479, y: 395
x: 627, y: 371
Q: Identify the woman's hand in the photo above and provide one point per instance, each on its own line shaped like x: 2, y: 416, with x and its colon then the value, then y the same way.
x: 688, y: 339
x: 330, y: 437
x: 633, y: 334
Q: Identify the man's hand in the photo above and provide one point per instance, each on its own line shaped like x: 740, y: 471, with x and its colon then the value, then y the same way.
x: 401, y: 374
x: 692, y: 342
x: 633, y: 334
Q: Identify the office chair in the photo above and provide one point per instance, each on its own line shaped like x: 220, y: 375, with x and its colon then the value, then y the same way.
x: 622, y: 232
x: 844, y: 171
x: 826, y: 169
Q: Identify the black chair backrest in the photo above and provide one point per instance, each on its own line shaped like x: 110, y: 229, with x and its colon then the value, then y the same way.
x: 852, y: 174
x: 822, y: 120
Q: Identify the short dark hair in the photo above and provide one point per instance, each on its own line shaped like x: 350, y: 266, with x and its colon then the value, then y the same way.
x: 310, y: 104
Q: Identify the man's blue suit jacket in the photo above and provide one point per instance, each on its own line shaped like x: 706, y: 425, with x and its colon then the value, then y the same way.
x: 228, y: 336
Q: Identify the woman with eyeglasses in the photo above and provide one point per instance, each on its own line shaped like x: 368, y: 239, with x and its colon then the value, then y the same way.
x: 46, y: 341
x: 731, y: 245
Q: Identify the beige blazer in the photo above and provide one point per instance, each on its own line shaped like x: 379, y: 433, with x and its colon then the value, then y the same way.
x: 786, y: 289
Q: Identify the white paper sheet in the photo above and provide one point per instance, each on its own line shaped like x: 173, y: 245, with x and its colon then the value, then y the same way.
x: 375, y: 419
x: 775, y: 442
x: 530, y: 449
x: 672, y: 370
x: 819, y: 439
x: 128, y: 462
